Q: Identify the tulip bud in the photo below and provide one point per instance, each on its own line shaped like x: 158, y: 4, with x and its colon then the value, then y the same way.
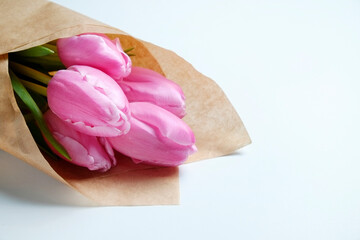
x: 145, y: 85
x: 95, y: 50
x: 156, y: 137
x: 84, y: 150
x: 91, y: 101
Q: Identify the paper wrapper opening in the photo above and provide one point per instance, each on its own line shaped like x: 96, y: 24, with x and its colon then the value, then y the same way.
x: 217, y: 127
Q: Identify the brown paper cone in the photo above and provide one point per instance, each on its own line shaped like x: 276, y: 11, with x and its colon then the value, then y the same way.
x: 217, y: 127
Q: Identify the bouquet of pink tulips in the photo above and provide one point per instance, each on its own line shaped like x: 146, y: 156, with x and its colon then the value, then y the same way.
x: 100, y: 103
x: 85, y: 98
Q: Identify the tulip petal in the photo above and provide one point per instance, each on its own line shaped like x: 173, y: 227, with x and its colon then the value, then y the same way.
x: 156, y: 137
x: 84, y: 150
x: 145, y: 85
x: 108, y: 148
x: 95, y: 50
x: 163, y: 123
x: 89, y: 100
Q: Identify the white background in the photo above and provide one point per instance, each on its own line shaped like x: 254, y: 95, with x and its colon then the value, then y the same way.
x: 291, y: 69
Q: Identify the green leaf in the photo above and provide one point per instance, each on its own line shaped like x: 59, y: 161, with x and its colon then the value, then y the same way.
x: 30, y: 103
x: 37, y: 51
x: 36, y: 133
x: 41, y: 101
x: 50, y: 63
x: 49, y: 46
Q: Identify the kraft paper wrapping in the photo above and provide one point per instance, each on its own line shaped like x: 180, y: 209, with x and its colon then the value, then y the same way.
x: 217, y: 127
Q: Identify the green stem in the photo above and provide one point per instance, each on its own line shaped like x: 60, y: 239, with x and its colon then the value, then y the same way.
x: 35, y: 87
x: 47, y: 151
x: 29, y: 72
x: 34, y: 109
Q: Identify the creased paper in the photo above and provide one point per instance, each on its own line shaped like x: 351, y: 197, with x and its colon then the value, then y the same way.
x: 217, y: 127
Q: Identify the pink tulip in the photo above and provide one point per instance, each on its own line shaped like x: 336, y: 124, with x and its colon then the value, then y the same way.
x: 156, y: 137
x: 84, y: 150
x: 91, y: 101
x: 95, y: 50
x: 145, y: 85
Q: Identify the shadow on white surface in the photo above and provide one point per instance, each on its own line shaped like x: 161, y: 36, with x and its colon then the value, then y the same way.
x: 238, y: 153
x: 24, y: 184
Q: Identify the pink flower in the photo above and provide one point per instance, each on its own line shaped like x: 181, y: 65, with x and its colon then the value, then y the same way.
x: 95, y: 50
x: 91, y: 101
x: 156, y: 137
x: 84, y: 150
x: 145, y: 85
